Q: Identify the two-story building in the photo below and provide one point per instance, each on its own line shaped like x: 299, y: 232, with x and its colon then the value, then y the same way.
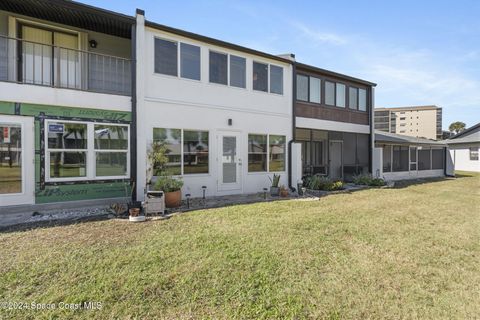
x: 333, y: 122
x: 225, y: 111
x: 84, y: 92
x: 65, y: 102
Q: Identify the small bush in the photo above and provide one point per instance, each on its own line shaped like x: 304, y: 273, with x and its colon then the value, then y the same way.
x: 323, y: 183
x: 368, y: 180
x: 168, y: 184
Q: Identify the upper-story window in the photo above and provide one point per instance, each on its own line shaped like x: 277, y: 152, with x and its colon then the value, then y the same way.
x: 238, y: 71
x: 362, y: 99
x: 309, y: 88
x: 261, y: 78
x: 218, y: 69
x: 302, y: 87
x: 353, y: 98
x: 167, y: 59
x: 340, y: 95
x: 329, y: 93
x: 189, y: 61
x: 276, y: 79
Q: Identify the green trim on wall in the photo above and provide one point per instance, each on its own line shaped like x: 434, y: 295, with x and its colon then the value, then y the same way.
x: 76, y: 190
x: 7, y: 107
x: 27, y: 109
x: 85, y: 191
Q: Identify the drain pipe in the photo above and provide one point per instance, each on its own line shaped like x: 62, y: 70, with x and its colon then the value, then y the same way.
x: 294, y: 90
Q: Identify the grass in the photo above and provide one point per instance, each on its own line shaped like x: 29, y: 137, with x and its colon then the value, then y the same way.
x: 411, y: 252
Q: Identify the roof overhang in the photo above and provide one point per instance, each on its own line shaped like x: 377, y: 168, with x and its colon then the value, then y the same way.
x: 215, y: 42
x: 333, y: 74
x: 74, y: 14
x: 392, y: 138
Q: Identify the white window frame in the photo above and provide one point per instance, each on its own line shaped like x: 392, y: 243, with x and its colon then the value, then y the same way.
x: 179, y: 61
x: 268, y: 78
x: 182, y: 173
x: 267, y: 153
x: 90, y: 152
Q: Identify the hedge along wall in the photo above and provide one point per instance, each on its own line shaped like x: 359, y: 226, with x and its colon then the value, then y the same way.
x: 46, y: 192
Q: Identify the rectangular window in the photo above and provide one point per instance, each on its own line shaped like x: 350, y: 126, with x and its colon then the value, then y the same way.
x: 340, y: 100
x: 276, y: 79
x: 166, y: 61
x: 387, y: 158
x: 237, y: 72
x: 473, y: 153
x: 257, y: 153
x: 352, y: 98
x: 362, y: 99
x: 315, y: 90
x: 189, y: 61
x: 68, y: 150
x: 329, y: 93
x: 172, y: 140
x: 260, y: 76
x: 111, y: 150
x: 218, y: 67
x: 302, y: 87
x: 195, y: 152
x: 400, y: 159
x: 276, y: 153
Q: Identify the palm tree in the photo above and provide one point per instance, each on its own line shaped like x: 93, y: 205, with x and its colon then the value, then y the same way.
x: 456, y: 127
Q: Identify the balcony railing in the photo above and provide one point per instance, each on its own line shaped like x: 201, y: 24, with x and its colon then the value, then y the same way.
x: 30, y: 62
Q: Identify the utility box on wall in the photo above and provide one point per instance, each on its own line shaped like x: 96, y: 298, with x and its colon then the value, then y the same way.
x: 296, y: 164
x: 377, y: 163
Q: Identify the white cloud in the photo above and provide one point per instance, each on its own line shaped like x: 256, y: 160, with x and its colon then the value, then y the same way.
x: 318, y: 36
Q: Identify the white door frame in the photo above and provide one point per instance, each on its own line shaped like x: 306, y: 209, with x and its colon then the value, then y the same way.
x: 236, y: 187
x: 27, y: 196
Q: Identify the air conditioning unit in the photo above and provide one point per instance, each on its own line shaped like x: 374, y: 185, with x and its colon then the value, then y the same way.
x: 155, y: 202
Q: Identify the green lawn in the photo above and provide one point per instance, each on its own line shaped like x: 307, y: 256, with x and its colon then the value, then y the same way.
x: 411, y: 252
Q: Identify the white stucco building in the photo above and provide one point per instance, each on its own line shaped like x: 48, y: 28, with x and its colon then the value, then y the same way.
x: 464, y: 149
x: 225, y: 111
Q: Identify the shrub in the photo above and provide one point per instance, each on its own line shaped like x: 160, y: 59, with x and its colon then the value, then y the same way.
x: 317, y: 182
x: 337, y: 185
x: 167, y: 184
x: 368, y: 180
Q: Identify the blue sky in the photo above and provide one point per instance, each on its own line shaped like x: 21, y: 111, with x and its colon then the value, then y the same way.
x: 418, y: 52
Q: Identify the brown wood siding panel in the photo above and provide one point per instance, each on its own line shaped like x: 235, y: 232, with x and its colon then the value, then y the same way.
x: 307, y: 110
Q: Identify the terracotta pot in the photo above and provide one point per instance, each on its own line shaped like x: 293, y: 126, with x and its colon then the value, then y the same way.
x: 283, y: 193
x: 134, y: 212
x: 173, y: 199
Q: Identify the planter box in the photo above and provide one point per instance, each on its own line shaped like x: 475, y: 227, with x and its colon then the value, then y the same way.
x: 155, y: 202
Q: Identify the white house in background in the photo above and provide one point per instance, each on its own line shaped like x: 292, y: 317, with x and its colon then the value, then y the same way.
x: 399, y: 157
x: 225, y: 111
x: 464, y: 148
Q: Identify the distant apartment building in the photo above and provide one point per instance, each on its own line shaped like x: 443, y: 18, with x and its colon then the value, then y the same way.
x: 416, y: 121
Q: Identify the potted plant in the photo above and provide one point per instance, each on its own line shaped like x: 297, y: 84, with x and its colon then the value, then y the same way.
x: 274, y: 190
x: 283, y: 191
x: 172, y: 188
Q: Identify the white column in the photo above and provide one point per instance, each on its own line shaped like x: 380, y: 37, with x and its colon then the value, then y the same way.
x: 141, y: 116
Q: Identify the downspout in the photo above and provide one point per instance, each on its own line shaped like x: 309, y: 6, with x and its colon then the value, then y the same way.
x: 371, y: 114
x: 294, y: 93
x: 133, y: 126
